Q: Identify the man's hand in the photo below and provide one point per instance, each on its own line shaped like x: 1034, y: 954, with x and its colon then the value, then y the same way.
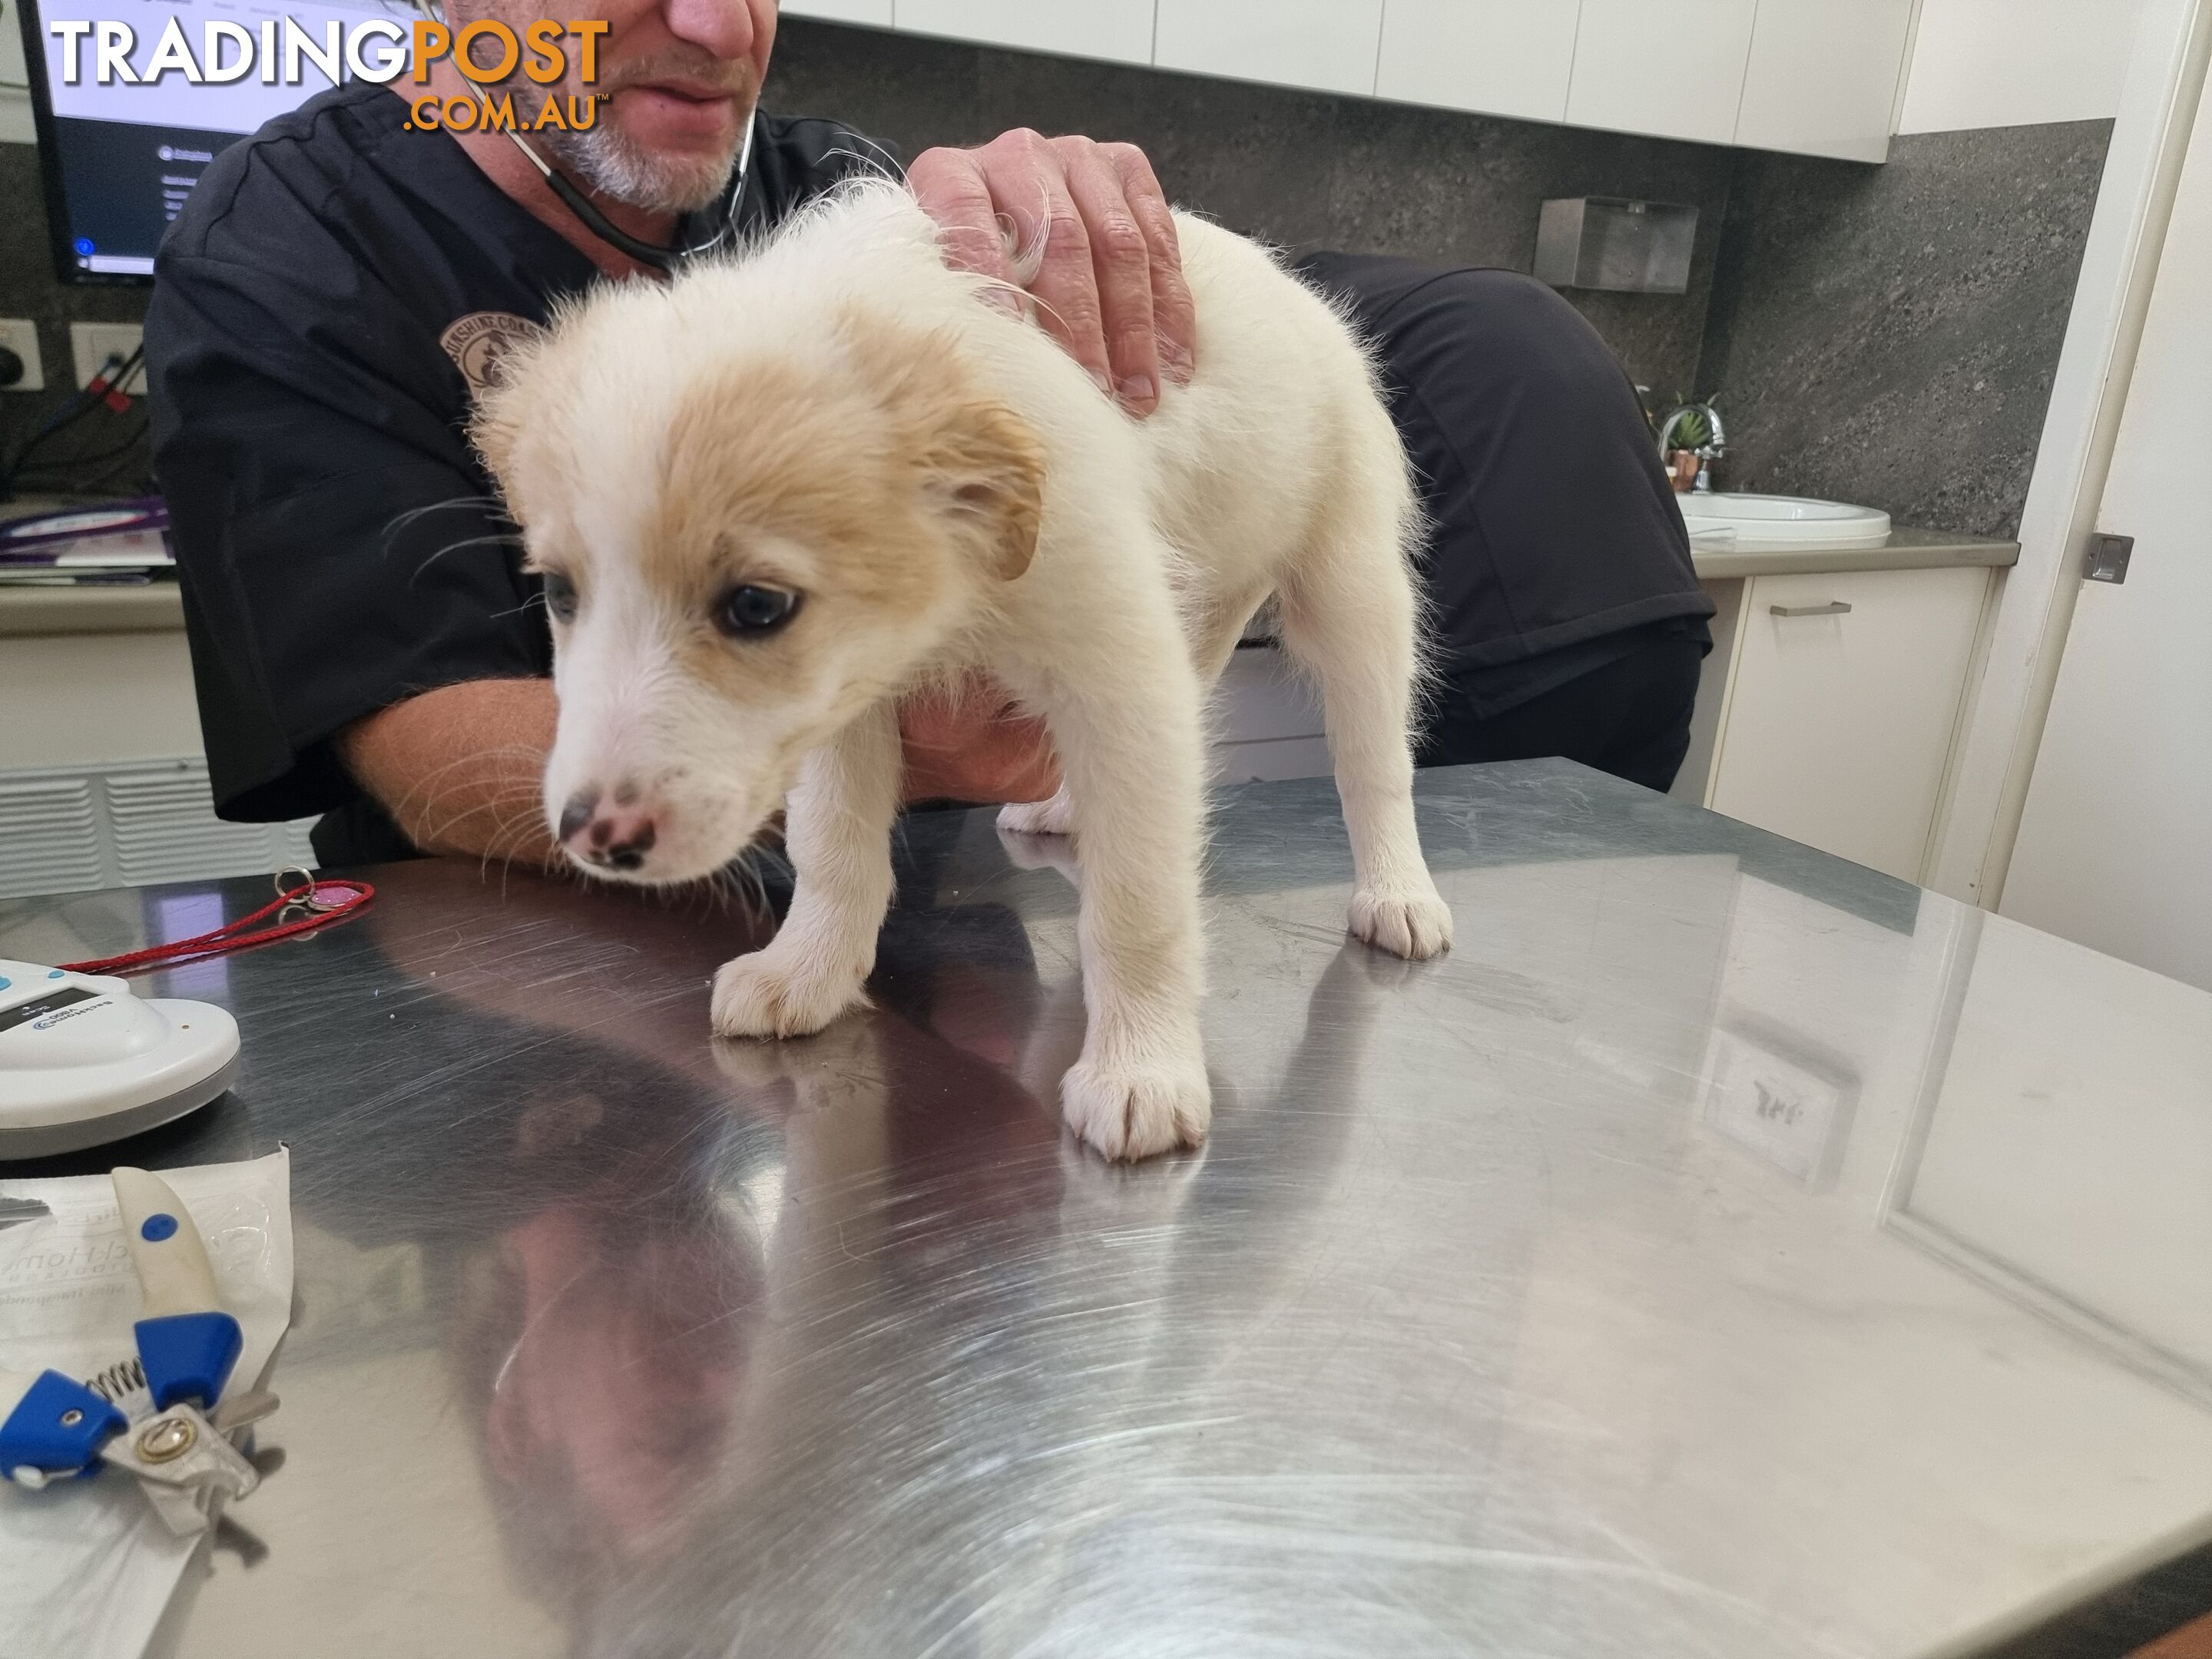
x: 1110, y: 288
x: 977, y: 746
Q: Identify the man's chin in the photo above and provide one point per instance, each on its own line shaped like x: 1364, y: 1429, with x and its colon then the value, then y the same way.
x: 614, y: 162
x: 667, y: 159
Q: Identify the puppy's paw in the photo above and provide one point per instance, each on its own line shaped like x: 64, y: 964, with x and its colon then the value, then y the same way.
x: 1128, y: 1112
x: 1055, y: 817
x: 1413, y: 925
x: 762, y: 996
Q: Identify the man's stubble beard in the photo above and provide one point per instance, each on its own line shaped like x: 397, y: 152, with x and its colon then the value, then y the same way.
x: 612, y: 163
x: 607, y: 160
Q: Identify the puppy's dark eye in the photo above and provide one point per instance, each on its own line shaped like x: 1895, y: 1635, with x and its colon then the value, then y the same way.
x: 560, y: 597
x: 747, y: 610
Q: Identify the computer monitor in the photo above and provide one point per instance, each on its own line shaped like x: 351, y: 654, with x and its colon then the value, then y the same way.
x: 119, y: 160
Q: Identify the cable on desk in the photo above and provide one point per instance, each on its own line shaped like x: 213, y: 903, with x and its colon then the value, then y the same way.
x: 242, y: 934
x: 105, y: 387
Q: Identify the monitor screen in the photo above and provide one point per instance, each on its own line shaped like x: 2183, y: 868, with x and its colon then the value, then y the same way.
x: 119, y: 159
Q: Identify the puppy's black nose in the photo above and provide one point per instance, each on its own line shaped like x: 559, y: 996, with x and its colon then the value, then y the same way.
x: 629, y: 852
x: 578, y: 813
x: 613, y: 835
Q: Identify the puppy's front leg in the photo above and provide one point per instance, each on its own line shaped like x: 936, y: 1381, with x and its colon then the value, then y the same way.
x: 837, y: 826
x: 1133, y: 757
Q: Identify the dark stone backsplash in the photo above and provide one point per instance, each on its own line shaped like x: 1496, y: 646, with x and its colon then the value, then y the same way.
x: 1890, y: 335
x: 1883, y: 335
x: 1305, y: 169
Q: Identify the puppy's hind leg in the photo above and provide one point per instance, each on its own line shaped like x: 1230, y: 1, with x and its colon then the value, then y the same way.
x: 1348, y: 617
x: 837, y: 828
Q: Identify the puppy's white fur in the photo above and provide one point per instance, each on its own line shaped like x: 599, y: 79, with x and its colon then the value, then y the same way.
x: 835, y: 413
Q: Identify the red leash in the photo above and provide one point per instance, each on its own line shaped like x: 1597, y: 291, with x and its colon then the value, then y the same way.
x: 241, y: 934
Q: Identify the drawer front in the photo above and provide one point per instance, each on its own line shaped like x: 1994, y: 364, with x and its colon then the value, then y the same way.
x: 1839, y: 723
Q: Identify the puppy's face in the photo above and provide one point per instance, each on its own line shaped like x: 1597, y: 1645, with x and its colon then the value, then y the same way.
x: 738, y: 561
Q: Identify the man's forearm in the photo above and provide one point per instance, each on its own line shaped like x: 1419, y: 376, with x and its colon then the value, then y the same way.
x: 460, y: 769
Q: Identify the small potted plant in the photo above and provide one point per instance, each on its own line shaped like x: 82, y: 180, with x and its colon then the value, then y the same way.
x: 1687, y: 427
x: 1692, y: 432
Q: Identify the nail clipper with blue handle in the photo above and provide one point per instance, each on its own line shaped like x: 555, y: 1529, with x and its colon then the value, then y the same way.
x: 162, y: 1416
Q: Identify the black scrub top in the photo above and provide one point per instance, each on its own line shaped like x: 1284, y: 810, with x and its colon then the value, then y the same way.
x: 322, y: 308
x: 1555, y: 545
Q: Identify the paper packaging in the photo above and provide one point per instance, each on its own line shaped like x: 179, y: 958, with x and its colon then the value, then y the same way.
x: 86, y: 1567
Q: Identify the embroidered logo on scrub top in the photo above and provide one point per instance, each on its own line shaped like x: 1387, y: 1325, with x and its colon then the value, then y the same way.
x: 477, y: 342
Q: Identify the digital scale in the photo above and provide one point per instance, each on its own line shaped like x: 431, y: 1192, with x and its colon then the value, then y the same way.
x: 83, y: 1061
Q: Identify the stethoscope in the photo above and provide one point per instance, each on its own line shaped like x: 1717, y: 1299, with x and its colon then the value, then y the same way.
x: 666, y: 259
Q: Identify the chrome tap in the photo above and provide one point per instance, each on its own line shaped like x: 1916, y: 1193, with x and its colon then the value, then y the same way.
x: 1714, y: 447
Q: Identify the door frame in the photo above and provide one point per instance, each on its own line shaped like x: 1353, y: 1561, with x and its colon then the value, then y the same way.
x: 1979, y: 822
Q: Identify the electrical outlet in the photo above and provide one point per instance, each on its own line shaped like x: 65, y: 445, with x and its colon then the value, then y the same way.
x: 93, y: 343
x: 21, y: 336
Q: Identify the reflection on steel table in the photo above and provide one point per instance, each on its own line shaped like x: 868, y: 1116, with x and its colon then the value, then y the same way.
x: 1663, y: 1273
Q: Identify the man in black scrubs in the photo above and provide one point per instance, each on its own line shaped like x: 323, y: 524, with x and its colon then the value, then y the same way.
x: 364, y: 644
x: 1566, y: 617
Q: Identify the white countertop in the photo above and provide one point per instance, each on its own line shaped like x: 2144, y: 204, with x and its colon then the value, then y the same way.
x: 158, y: 608
x: 1721, y: 560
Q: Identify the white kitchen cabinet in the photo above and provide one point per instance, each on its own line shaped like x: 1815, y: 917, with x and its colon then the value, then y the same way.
x: 1841, y: 705
x: 1500, y: 57
x: 1117, y: 30
x: 876, y: 12
x: 1823, y: 76
x: 1674, y: 69
x: 1817, y: 78
x: 1265, y: 721
x: 1693, y: 783
x: 1332, y: 44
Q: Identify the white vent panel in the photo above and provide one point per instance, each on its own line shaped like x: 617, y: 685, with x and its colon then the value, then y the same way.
x: 49, y: 834
x: 129, y: 825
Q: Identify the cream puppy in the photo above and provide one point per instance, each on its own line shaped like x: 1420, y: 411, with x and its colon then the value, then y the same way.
x: 772, y: 497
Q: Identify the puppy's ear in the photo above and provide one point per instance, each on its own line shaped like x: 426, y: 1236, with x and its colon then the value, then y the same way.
x: 980, y: 462
x: 987, y: 467
x: 494, y: 427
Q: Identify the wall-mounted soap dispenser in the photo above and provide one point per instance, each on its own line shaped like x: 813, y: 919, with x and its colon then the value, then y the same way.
x: 1613, y: 243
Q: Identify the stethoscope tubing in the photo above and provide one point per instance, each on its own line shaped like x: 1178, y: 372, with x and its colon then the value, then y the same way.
x: 668, y: 259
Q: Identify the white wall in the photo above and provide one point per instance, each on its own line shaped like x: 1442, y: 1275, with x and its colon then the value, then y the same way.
x: 14, y: 104
x: 2016, y: 63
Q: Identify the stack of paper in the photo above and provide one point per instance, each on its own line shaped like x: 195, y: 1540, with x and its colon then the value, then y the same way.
x: 118, y: 542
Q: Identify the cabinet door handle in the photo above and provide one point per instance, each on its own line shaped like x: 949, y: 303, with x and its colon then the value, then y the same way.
x: 1833, y: 608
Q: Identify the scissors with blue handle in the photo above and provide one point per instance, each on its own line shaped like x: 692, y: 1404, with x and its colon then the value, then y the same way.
x: 162, y: 1416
